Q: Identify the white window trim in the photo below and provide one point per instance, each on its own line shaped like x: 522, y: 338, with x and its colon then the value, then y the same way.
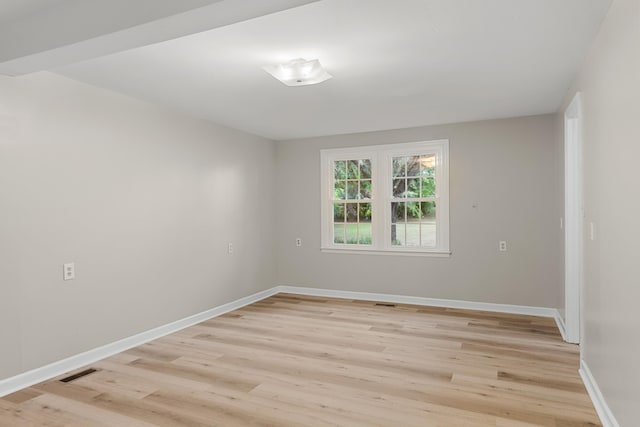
x: 381, y: 197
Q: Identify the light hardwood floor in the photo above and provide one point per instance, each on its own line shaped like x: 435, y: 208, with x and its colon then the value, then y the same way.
x: 305, y: 361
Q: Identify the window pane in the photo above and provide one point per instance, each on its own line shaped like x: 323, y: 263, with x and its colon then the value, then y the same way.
x: 428, y: 237
x: 397, y: 234
x: 413, y: 166
x: 365, y: 189
x: 428, y: 230
x: 338, y: 212
x: 353, y: 169
x: 413, y: 212
x: 428, y: 212
x: 338, y: 190
x: 352, y: 212
x: 338, y: 233
x: 352, y: 190
x: 365, y: 169
x: 352, y: 233
x: 364, y: 233
x: 428, y: 187
x: 399, y: 188
x: 339, y: 169
x: 413, y: 187
x: 398, y: 212
x: 428, y: 165
x: 364, y: 212
x: 413, y: 234
x: 399, y: 164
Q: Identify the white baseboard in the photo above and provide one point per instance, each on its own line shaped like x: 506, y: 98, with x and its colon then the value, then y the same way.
x: 561, y: 326
x: 29, y: 378
x: 402, y: 299
x: 603, y: 410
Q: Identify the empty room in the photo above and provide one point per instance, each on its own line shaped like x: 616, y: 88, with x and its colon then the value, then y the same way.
x: 319, y: 213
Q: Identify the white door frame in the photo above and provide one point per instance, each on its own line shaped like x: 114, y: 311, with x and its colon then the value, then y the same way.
x: 574, y: 218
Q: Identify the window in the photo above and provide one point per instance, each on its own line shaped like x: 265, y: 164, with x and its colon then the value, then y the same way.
x: 352, y: 201
x: 387, y: 198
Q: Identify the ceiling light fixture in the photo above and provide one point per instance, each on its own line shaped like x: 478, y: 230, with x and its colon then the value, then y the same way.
x: 299, y: 72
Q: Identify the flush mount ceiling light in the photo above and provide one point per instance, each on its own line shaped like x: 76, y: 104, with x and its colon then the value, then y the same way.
x: 299, y: 72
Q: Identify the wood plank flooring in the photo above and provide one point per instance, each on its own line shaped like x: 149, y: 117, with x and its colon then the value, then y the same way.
x: 306, y: 361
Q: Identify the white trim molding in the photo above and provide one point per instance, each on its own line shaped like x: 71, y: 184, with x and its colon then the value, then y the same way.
x: 387, y: 253
x: 34, y: 376
x: 434, y: 302
x: 561, y: 326
x: 574, y: 219
x: 603, y: 410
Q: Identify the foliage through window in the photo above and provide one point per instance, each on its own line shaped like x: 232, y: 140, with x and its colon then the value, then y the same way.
x: 386, y: 198
x: 413, y: 206
x: 352, y: 201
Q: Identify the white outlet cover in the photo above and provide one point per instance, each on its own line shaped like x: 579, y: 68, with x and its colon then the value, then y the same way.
x: 69, y: 271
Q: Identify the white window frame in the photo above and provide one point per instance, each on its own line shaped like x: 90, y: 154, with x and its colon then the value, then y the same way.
x: 382, y: 196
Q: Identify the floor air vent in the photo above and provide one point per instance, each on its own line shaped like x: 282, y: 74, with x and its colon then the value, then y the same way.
x: 78, y: 375
x: 385, y: 305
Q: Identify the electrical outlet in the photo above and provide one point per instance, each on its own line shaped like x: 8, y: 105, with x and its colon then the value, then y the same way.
x: 298, y: 241
x: 502, y: 246
x: 69, y: 271
x: 230, y: 248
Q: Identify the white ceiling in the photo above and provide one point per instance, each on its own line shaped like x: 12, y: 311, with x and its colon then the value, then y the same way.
x: 11, y: 10
x: 396, y: 64
x: 41, y: 35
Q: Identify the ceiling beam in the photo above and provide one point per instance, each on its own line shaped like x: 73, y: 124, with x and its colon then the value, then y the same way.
x: 77, y: 30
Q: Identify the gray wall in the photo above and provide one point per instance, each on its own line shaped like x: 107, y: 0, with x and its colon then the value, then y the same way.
x: 610, y: 84
x: 143, y: 200
x: 509, y: 167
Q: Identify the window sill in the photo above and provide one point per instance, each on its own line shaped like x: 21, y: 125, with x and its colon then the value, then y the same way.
x: 386, y: 252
